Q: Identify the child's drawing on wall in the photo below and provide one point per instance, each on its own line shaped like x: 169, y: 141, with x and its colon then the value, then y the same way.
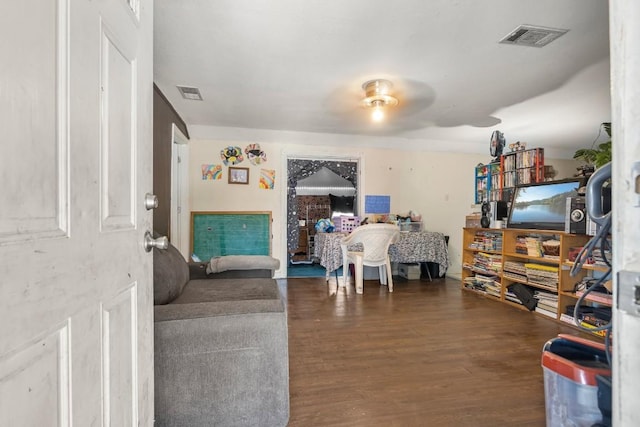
x: 211, y: 172
x: 267, y: 179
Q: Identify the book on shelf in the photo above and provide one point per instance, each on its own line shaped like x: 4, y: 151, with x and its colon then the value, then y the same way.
x: 481, y: 283
x: 597, y: 258
x: 564, y: 317
x: 594, y: 320
x: 512, y: 298
x: 547, y: 307
x: 600, y: 297
x: 546, y: 296
x: 534, y: 246
x: 487, y: 241
x: 493, y: 287
x: 545, y: 276
x: 544, y: 311
x: 515, y: 267
x: 513, y: 276
x: 542, y: 268
x: 489, y: 263
x: 590, y: 326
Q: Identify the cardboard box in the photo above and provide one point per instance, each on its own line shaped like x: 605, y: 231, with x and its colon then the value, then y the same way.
x: 409, y: 271
x: 472, y: 221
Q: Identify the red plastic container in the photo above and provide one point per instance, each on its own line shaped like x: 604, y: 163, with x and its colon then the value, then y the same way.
x: 570, y: 366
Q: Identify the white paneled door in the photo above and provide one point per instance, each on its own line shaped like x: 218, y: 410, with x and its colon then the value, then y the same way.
x: 76, y: 330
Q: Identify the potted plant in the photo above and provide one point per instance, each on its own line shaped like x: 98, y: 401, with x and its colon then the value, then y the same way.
x: 600, y: 155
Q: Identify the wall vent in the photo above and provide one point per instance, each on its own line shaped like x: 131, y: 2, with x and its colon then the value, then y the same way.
x: 192, y: 93
x: 529, y: 35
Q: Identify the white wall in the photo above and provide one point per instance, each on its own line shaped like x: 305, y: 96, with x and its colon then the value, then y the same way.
x: 439, y: 185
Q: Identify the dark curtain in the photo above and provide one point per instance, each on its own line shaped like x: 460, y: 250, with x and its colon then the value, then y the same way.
x: 298, y: 169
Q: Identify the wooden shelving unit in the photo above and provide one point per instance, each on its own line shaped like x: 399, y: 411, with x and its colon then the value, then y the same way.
x: 493, y: 260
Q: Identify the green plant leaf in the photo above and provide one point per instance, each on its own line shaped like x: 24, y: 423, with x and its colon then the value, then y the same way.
x: 586, y: 154
x: 597, y: 156
x: 605, y: 146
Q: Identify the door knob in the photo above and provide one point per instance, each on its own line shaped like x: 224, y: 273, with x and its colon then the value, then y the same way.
x: 150, y: 201
x: 150, y: 243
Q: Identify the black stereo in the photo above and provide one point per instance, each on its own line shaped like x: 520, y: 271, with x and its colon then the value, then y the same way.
x: 575, y: 220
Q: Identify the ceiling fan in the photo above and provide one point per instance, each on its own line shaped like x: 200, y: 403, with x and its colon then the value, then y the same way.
x: 386, y: 101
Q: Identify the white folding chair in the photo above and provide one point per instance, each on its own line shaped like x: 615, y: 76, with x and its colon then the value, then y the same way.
x: 375, y: 240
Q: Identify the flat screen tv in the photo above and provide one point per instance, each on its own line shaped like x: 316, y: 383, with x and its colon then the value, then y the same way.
x: 542, y: 206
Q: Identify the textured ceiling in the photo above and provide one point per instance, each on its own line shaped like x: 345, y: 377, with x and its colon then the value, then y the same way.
x: 299, y: 66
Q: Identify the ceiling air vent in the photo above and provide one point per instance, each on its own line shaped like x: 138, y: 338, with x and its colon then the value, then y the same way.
x: 529, y: 35
x: 192, y: 93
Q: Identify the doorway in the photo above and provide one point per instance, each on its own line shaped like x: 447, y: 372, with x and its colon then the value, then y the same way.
x: 309, y: 186
x: 179, y: 231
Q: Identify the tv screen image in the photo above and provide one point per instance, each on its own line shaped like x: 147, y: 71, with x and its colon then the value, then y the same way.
x: 542, y: 206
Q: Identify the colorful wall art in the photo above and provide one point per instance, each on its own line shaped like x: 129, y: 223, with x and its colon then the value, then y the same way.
x: 255, y: 154
x: 231, y: 155
x: 267, y: 179
x: 211, y: 172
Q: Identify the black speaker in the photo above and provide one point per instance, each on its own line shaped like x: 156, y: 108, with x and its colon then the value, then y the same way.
x: 484, y: 220
x: 492, y: 212
x: 575, y: 220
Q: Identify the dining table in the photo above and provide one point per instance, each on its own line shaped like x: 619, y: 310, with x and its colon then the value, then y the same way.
x: 411, y: 247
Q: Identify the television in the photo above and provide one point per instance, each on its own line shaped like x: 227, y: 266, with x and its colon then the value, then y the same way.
x: 542, y: 206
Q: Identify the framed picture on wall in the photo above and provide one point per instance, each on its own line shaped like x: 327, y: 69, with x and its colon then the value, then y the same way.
x: 238, y: 175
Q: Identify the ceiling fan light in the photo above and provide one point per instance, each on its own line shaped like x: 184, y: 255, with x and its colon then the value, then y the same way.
x: 377, y: 93
x: 377, y: 115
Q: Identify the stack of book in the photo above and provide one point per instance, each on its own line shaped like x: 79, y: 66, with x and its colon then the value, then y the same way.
x: 544, y: 276
x: 534, y: 246
x: 529, y: 245
x: 480, y: 282
x: 521, y: 245
x: 510, y: 296
x: 589, y: 317
x: 591, y: 321
x: 598, y: 259
x: 488, y: 263
x: 547, y: 303
x: 493, y: 288
x: 515, y: 270
x: 487, y: 241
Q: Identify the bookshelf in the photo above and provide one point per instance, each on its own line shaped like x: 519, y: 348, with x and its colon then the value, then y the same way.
x: 487, y: 182
x: 520, y: 167
x: 500, y: 263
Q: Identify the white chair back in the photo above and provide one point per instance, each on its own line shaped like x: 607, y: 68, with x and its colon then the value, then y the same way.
x: 376, y: 239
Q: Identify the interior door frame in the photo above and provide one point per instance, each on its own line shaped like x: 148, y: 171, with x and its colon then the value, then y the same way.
x: 625, y: 100
x: 179, y: 231
x: 291, y: 155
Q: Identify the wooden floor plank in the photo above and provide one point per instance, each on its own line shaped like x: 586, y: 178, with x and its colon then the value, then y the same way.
x: 427, y: 354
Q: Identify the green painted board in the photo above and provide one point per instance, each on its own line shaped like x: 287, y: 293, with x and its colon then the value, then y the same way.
x: 230, y: 233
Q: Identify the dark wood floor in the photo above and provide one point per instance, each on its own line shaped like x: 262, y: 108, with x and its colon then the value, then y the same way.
x: 427, y: 354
